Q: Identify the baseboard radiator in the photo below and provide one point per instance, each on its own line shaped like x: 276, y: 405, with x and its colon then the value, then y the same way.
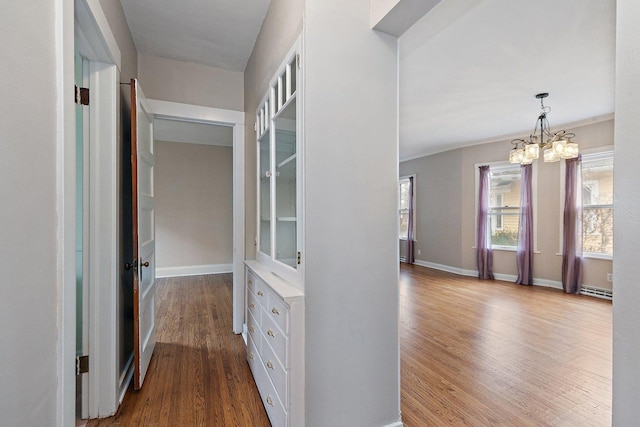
x: 597, y: 292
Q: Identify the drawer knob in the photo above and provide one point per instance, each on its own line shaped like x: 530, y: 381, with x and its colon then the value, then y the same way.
x: 251, y: 305
x: 260, y: 293
x: 251, y: 356
x: 269, y: 400
x: 250, y: 282
x: 270, y: 365
x: 251, y: 329
x: 275, y: 311
x: 270, y: 333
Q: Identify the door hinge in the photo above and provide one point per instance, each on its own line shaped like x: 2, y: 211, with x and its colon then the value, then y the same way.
x: 82, y: 95
x: 82, y: 365
x: 299, y: 257
x: 255, y: 126
x: 298, y: 60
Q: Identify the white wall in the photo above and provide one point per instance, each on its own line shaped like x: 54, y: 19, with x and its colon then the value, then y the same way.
x: 626, y: 315
x: 194, y: 215
x: 190, y: 83
x: 351, y: 173
x: 29, y: 283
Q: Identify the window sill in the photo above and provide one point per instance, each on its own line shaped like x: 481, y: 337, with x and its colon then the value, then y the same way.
x: 604, y: 257
x: 507, y: 249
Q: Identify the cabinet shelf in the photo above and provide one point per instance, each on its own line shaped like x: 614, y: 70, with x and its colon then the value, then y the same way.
x: 286, y: 161
x: 286, y: 218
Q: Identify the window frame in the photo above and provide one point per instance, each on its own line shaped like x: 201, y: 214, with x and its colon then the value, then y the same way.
x: 504, y: 165
x: 598, y: 155
x: 603, y: 151
x: 413, y: 205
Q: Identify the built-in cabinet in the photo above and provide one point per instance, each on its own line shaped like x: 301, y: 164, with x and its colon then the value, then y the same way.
x: 274, y: 281
x: 275, y: 344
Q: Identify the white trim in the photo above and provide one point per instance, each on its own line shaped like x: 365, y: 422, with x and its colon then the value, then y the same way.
x: 196, y: 113
x: 238, y: 227
x: 396, y: 424
x: 193, y: 270
x: 103, y: 239
x: 65, y: 185
x: 498, y: 276
x: 447, y: 268
x: 97, y: 43
x: 94, y: 26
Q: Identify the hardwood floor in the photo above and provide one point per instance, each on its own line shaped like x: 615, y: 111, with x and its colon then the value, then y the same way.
x: 485, y: 353
x: 473, y: 353
x: 198, y: 375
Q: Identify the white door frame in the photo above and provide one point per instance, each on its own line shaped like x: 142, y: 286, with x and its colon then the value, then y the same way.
x: 234, y: 119
x: 95, y: 41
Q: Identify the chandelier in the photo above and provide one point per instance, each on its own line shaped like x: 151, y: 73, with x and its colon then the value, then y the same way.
x: 556, y: 146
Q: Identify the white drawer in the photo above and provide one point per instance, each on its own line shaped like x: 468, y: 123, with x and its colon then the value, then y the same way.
x: 270, y: 400
x: 273, y: 336
x: 277, y: 374
x: 254, y: 307
x: 261, y: 292
x: 277, y: 414
x: 252, y: 355
x: 251, y: 281
x: 279, y: 311
x: 253, y: 327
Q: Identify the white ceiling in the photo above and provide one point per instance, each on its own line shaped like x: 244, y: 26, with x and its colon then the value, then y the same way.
x: 219, y: 33
x: 470, y: 69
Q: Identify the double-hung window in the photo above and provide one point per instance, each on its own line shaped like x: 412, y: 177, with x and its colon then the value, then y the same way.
x: 504, y: 206
x: 597, y: 204
x: 403, y: 210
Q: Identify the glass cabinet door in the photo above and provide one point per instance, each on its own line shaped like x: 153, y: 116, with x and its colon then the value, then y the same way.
x: 265, y: 193
x: 279, y: 234
x: 285, y: 192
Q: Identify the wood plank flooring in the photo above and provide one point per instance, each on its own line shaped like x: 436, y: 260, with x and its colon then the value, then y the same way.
x: 473, y: 353
x: 491, y: 353
x: 198, y: 375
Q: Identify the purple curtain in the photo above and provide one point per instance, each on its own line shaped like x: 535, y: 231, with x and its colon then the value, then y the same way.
x: 484, y: 253
x: 572, y: 227
x: 524, y: 253
x: 410, y: 258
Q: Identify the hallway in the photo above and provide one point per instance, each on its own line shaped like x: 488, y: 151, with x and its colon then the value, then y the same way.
x: 199, y: 375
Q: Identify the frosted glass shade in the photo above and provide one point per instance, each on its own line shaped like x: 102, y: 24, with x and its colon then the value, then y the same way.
x: 550, y: 155
x: 532, y: 151
x: 516, y: 155
x: 559, y: 146
x: 570, y: 151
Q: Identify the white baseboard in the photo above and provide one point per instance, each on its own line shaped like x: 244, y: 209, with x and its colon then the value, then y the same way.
x: 498, y: 276
x: 396, y: 424
x: 447, y: 268
x: 193, y: 270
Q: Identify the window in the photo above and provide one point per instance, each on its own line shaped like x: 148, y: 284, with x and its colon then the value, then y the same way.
x: 597, y: 204
x: 403, y: 210
x: 504, y: 205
